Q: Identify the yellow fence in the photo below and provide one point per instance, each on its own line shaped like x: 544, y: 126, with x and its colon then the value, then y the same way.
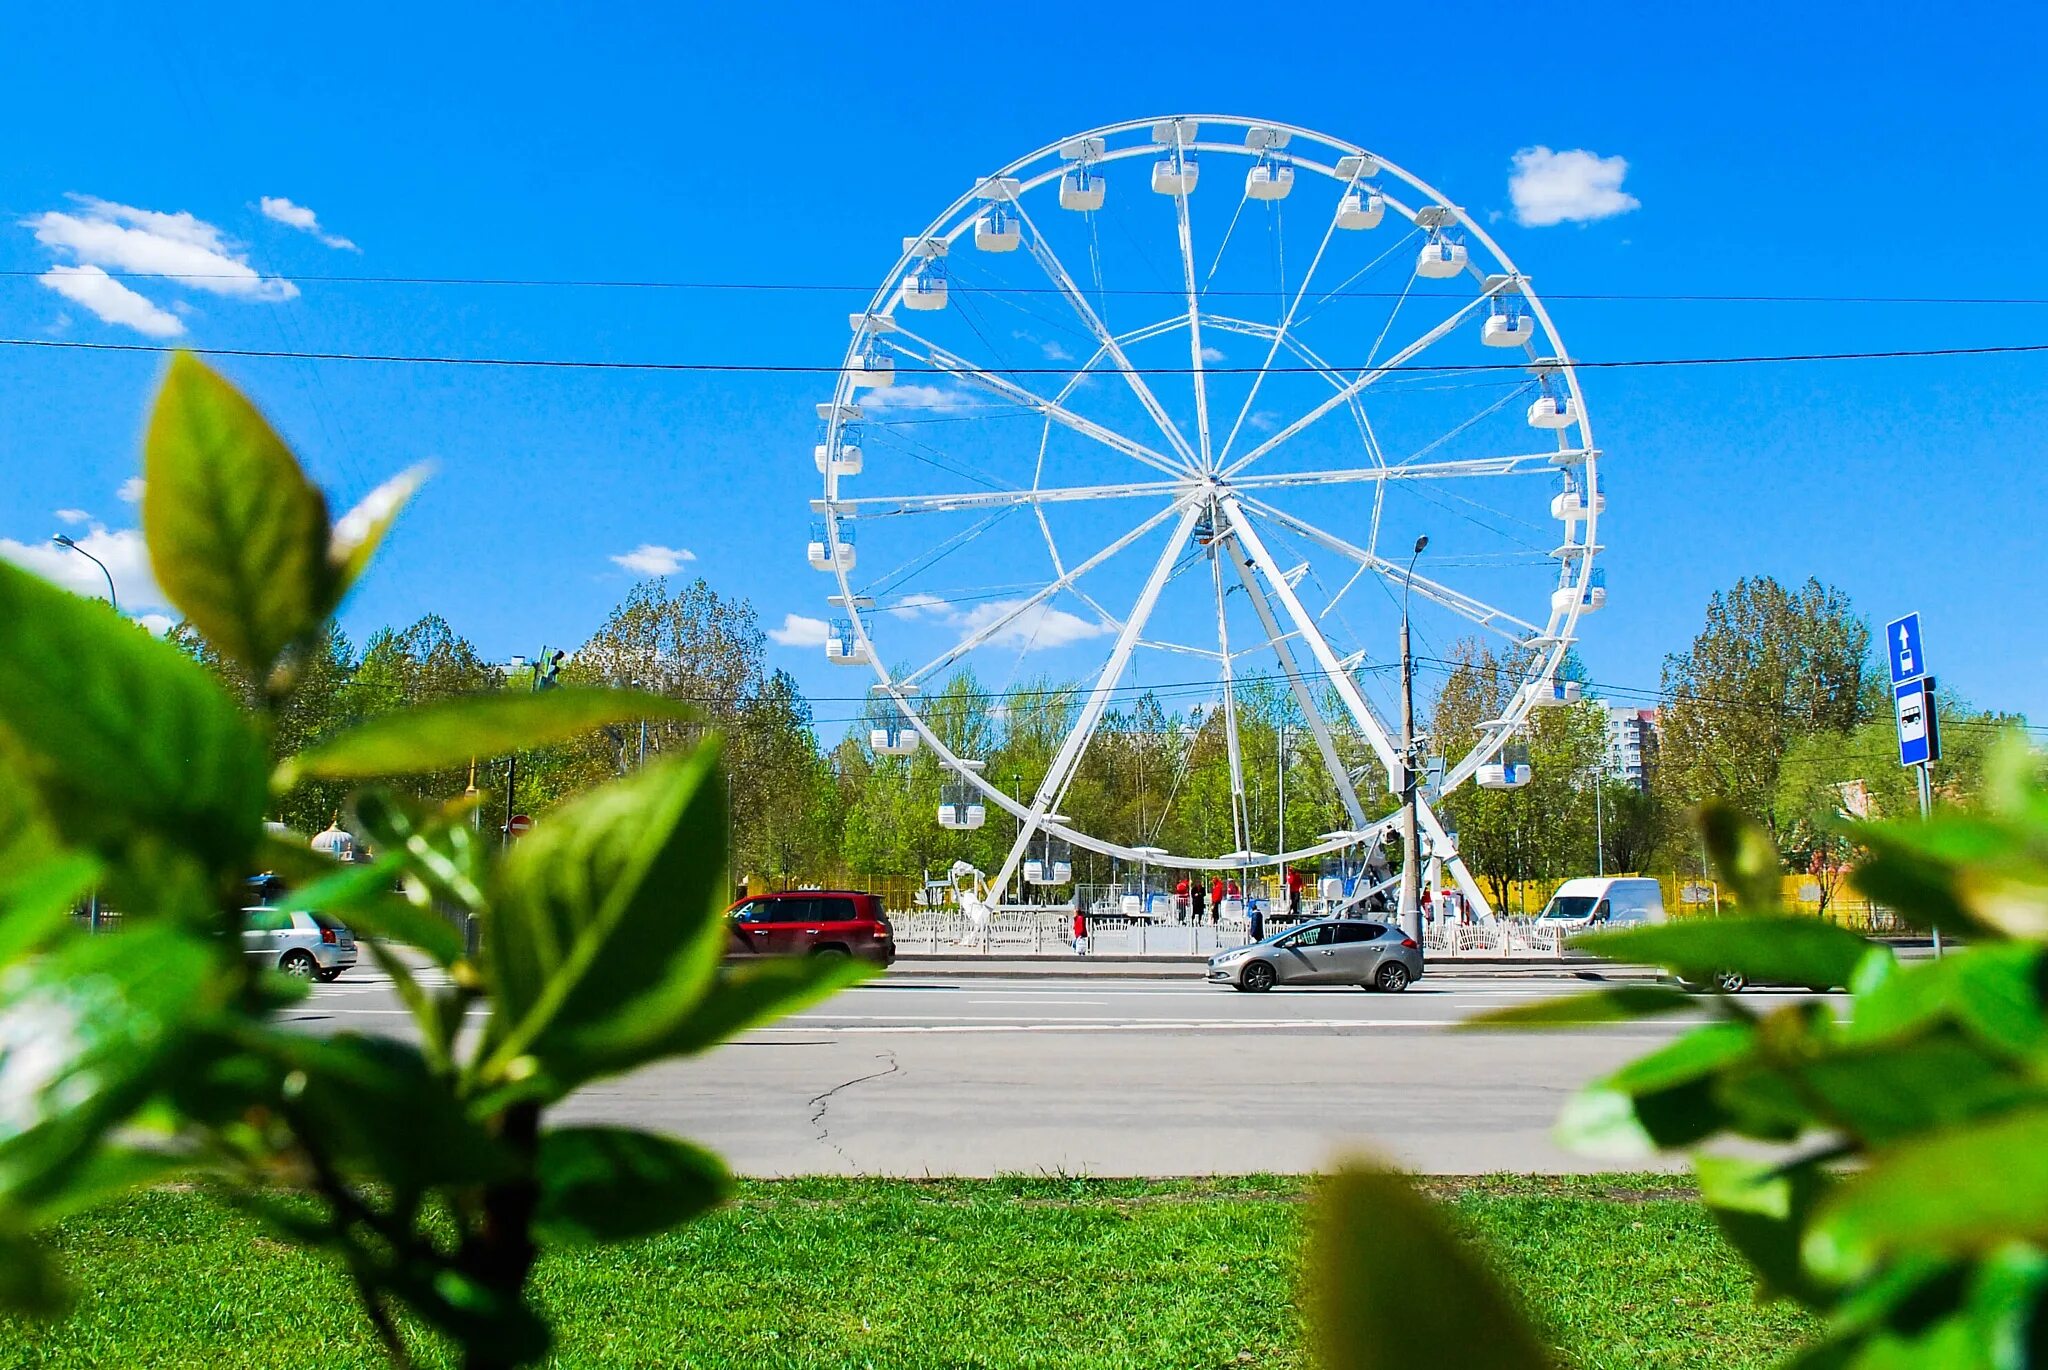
x: 1685, y: 894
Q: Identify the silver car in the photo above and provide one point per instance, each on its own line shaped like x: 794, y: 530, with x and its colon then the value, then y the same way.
x: 305, y: 945
x: 1333, y: 951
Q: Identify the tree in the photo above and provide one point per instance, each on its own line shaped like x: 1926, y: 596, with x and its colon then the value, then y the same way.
x: 424, y: 663
x: 1769, y: 666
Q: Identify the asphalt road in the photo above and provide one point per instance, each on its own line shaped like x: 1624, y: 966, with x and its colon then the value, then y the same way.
x: 919, y: 1074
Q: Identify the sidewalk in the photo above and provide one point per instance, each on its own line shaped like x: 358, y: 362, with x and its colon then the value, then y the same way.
x: 1192, y: 968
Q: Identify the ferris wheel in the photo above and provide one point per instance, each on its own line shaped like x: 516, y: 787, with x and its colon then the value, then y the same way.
x: 1162, y: 409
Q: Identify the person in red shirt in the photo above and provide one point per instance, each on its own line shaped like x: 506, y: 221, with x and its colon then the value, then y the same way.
x: 1293, y: 892
x: 1180, y: 901
x: 1080, y: 925
x: 1216, y: 894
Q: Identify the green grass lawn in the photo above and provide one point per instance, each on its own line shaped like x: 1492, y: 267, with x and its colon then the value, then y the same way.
x: 1625, y: 1272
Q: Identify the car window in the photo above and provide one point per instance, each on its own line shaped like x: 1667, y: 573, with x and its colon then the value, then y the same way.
x: 1322, y: 935
x: 1359, y: 932
x: 750, y: 911
x: 1573, y: 906
x: 792, y: 910
x: 836, y: 910
x: 267, y: 920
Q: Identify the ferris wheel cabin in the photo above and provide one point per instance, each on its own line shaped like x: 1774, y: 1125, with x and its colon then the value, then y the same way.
x: 1591, y: 593
x: 1555, y: 693
x: 1268, y: 181
x: 1509, y: 325
x: 1508, y: 771
x: 1441, y: 259
x: 893, y: 739
x: 844, y: 646
x: 1360, y: 209
x: 1571, y: 504
x: 1554, y: 411
x: 829, y: 552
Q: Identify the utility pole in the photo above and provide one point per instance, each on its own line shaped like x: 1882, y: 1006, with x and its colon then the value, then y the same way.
x: 1411, y: 894
x: 1599, y: 825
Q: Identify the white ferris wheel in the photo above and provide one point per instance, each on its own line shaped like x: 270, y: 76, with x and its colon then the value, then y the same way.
x: 1163, y: 407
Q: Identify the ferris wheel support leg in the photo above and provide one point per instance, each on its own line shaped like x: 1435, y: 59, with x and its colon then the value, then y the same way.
x: 1303, y: 696
x: 1446, y: 851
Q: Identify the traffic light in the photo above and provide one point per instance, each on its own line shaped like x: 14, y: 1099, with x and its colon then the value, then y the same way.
x: 544, y: 675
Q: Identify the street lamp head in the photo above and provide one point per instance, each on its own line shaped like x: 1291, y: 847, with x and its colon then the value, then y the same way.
x: 62, y: 540
x: 1421, y: 543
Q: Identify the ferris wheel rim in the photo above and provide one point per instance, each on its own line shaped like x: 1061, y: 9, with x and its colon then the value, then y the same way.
x: 1547, y: 647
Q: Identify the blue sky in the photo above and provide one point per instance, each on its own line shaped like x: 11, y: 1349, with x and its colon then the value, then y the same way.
x: 1831, y: 151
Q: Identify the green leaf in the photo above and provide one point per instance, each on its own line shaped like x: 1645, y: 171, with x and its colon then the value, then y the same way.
x: 121, y: 734
x: 1763, y: 1209
x: 87, y: 1032
x: 1777, y: 951
x: 1391, y: 1288
x: 608, y: 927
x: 1985, y: 875
x: 238, y: 536
x: 379, y: 1109
x: 443, y: 858
x: 30, y: 1283
x: 1608, y: 1004
x: 741, y: 997
x: 360, y: 896
x: 1962, y: 1192
x: 361, y: 530
x: 608, y: 1184
x: 1662, y: 1100
x: 1743, y: 854
x: 36, y: 904
x: 1996, y: 994
x: 449, y: 732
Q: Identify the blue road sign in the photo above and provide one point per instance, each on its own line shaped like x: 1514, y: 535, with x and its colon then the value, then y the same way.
x: 1918, y: 742
x: 1902, y: 645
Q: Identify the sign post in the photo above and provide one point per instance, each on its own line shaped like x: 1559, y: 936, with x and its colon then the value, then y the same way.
x: 1913, y: 697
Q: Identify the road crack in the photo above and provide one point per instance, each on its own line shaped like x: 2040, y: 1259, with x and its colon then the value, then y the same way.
x: 824, y: 1101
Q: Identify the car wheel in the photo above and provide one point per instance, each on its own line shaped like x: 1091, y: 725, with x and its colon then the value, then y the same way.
x: 300, y: 965
x: 1730, y: 981
x: 1391, y: 979
x: 1258, y: 977
x: 834, y: 953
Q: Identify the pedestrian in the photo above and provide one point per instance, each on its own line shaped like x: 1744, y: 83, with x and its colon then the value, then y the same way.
x: 1234, y: 891
x: 1293, y: 893
x: 1080, y: 924
x: 1258, y: 916
x: 1180, y: 901
x: 1193, y: 885
x: 1216, y: 894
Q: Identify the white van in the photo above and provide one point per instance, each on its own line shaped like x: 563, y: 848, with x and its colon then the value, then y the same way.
x: 1607, y: 901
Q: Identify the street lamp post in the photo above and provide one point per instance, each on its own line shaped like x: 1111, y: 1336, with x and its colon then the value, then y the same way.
x: 63, y: 540
x: 1411, y: 904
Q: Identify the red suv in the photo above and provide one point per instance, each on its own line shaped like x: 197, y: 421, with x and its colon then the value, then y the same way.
x: 812, y: 923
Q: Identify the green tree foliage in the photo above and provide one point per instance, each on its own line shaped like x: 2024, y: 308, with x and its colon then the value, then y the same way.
x: 427, y: 1168
x: 1770, y: 665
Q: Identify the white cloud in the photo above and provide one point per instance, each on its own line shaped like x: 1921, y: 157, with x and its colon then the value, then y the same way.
x: 158, y: 624
x: 1039, y: 628
x: 650, y: 559
x: 111, y: 301
x: 950, y: 399
x: 918, y: 606
x: 1212, y: 354
x: 1264, y: 420
x: 1055, y: 353
x: 190, y: 251
x: 303, y: 219
x: 798, y: 631
x: 131, y: 490
x: 126, y: 558
x: 1575, y: 186
x: 73, y: 516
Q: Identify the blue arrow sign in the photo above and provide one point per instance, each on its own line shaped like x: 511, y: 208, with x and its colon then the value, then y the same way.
x: 1902, y: 645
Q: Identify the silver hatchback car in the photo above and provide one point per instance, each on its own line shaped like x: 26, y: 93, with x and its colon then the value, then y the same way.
x: 306, y: 945
x: 1334, y: 951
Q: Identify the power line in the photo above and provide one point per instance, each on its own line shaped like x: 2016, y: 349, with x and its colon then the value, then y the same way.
x: 819, y: 369
x: 1176, y: 292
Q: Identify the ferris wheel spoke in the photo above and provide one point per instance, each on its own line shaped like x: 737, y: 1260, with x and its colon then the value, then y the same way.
x: 1024, y: 606
x: 941, y: 360
x: 891, y: 506
x: 1365, y: 380
x: 1068, y: 759
x: 1280, y: 334
x: 1056, y: 271
x: 1514, y: 629
x: 1187, y: 263
x: 1520, y: 464
x: 1304, y: 697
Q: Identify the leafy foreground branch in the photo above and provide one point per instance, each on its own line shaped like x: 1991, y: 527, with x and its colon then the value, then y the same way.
x: 154, y: 1054
x: 1893, y: 1176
